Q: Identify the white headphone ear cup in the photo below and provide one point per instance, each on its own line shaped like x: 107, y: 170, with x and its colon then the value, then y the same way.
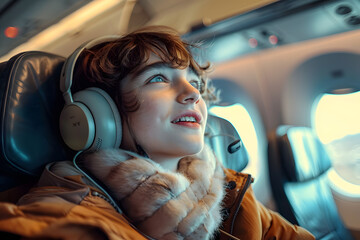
x: 108, y: 130
x: 77, y: 126
x: 116, y: 115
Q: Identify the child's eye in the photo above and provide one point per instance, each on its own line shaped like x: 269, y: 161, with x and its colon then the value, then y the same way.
x: 157, y: 78
x: 197, y: 84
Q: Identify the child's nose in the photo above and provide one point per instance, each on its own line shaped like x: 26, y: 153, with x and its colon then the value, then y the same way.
x: 188, y: 93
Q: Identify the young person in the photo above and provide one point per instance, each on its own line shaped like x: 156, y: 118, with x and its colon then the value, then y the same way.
x: 163, y: 182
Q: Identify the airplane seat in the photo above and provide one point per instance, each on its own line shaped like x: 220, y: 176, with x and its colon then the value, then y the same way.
x: 31, y: 103
x: 298, y: 166
x: 222, y: 137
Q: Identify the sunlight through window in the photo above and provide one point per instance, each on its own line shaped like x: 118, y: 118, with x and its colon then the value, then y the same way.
x: 337, y: 116
x: 337, y: 124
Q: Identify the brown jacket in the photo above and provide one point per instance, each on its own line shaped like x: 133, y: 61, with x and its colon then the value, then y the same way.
x: 246, y: 218
x: 68, y: 208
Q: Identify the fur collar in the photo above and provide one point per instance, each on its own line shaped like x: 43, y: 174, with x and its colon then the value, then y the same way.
x: 164, y: 205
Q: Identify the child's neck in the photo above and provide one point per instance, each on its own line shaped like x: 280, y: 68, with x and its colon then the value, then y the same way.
x: 170, y: 164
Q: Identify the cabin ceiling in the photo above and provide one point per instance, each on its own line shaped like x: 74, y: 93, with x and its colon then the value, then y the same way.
x: 278, y: 24
x: 31, y: 17
x: 184, y: 14
x: 228, y: 23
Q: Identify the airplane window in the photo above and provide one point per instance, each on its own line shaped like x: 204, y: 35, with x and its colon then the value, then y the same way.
x: 241, y: 120
x: 336, y: 119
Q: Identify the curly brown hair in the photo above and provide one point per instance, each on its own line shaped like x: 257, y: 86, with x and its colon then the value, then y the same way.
x: 106, y: 64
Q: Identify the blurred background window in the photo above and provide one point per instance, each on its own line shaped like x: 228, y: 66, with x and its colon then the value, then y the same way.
x: 336, y: 120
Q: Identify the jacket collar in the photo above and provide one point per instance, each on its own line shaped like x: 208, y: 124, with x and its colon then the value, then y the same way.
x: 64, y: 175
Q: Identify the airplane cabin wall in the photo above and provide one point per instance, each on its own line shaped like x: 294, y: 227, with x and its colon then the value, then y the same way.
x: 268, y: 78
x: 276, y: 78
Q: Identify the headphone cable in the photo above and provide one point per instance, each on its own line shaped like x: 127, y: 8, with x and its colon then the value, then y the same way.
x: 113, y: 203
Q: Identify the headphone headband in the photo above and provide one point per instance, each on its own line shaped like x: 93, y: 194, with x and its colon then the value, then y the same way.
x: 69, y: 65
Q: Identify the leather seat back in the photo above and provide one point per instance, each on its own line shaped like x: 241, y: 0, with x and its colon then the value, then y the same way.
x: 30, y: 103
x: 220, y: 133
x: 298, y: 165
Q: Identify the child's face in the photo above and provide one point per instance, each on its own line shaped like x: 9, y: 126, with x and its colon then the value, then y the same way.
x: 170, y: 122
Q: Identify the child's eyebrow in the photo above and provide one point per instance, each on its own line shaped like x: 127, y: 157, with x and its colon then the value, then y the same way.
x: 151, y: 66
x: 159, y: 65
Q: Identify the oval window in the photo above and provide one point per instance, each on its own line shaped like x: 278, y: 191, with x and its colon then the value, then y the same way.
x: 336, y: 120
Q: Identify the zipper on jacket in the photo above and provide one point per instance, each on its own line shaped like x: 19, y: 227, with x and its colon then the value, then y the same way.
x: 241, y: 196
x: 97, y: 194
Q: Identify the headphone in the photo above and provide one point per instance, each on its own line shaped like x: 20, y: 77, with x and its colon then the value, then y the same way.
x: 90, y: 119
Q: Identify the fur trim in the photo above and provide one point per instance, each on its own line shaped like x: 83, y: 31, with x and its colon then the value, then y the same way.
x: 164, y: 205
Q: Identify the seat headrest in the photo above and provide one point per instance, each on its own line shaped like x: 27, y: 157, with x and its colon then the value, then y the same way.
x: 219, y: 134
x: 31, y: 103
x: 303, y: 156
